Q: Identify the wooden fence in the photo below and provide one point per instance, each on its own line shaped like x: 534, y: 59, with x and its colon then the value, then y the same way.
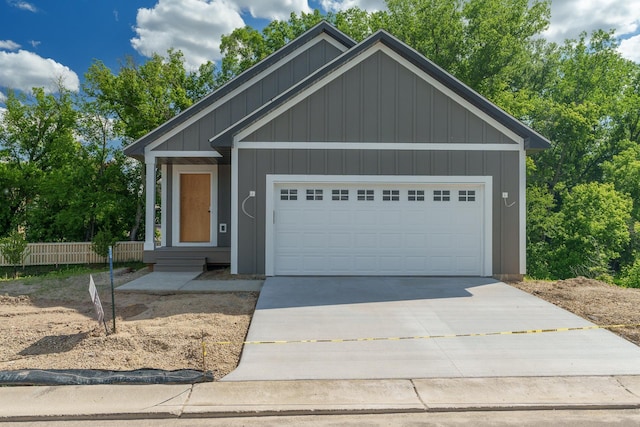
x: 77, y: 253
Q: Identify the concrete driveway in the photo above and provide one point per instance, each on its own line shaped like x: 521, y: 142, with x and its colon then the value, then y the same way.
x: 303, y: 308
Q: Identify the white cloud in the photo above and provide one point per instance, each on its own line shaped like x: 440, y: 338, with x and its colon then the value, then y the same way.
x: 338, y: 5
x: 193, y: 26
x: 274, y: 9
x: 24, y: 70
x: 9, y: 45
x: 24, y: 5
x: 3, y: 97
x: 196, y: 26
x: 570, y: 17
x: 630, y: 48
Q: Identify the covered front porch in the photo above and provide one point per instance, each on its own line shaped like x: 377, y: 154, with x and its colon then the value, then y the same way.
x: 188, y: 212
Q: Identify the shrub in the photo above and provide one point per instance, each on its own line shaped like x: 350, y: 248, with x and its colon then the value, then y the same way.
x: 631, y: 275
x: 14, y: 250
x: 101, y: 242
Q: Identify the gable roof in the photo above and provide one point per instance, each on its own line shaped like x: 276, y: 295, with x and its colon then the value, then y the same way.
x: 136, y: 149
x: 532, y: 140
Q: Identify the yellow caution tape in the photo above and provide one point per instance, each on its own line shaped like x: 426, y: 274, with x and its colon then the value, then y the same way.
x: 428, y: 337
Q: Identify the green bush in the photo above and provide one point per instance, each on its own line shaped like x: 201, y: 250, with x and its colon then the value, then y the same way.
x: 101, y: 242
x: 631, y: 275
x: 14, y: 250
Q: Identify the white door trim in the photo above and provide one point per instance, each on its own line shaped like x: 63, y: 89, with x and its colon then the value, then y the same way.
x: 272, y: 180
x: 178, y: 170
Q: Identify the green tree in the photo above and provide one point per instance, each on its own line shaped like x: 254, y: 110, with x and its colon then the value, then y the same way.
x: 435, y: 28
x: 498, y: 39
x: 37, y: 141
x: 594, y: 230
x: 579, y: 110
x: 135, y: 101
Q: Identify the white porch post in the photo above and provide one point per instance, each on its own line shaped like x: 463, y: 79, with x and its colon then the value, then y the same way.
x: 150, y: 205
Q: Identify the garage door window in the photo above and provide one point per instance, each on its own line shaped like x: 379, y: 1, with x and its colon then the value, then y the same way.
x: 416, y: 195
x: 340, y: 195
x: 466, y: 196
x: 313, y: 194
x: 288, y: 194
x: 391, y: 195
x: 365, y: 195
x: 441, y: 195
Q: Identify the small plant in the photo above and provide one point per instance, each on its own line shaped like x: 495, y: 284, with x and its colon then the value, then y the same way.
x: 14, y: 250
x: 101, y: 242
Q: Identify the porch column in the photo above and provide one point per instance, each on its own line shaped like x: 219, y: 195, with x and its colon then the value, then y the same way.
x: 150, y: 205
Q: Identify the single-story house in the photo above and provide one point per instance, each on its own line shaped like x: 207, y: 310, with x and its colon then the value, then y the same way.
x: 332, y: 157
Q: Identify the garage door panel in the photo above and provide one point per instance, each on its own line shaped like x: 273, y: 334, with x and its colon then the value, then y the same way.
x: 391, y: 265
x: 365, y: 264
x: 415, y: 264
x: 390, y: 240
x: 365, y: 240
x: 315, y: 240
x: 442, y: 264
x: 415, y: 241
x: 366, y: 217
x: 340, y: 240
x: 404, y: 230
x: 288, y: 240
x: 340, y: 217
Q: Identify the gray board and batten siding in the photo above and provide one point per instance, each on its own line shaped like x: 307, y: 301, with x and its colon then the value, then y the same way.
x: 256, y: 164
x: 196, y: 136
x: 379, y: 100
x: 533, y: 141
x: 323, y: 53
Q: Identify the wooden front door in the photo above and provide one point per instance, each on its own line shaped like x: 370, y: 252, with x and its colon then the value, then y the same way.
x: 195, y: 207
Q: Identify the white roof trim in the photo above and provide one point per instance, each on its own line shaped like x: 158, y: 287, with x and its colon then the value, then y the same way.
x: 404, y: 146
x: 377, y: 47
x: 156, y: 154
x: 321, y: 37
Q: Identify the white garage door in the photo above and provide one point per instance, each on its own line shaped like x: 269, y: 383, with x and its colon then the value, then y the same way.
x: 378, y: 229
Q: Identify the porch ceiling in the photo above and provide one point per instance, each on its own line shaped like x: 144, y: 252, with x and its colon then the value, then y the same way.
x: 192, y: 161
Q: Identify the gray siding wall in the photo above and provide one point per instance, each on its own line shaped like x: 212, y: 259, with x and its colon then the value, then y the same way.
x: 379, y: 100
x: 254, y: 165
x: 224, y: 204
x: 196, y: 137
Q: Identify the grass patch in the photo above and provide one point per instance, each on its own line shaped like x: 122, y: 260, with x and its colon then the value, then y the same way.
x: 34, y: 274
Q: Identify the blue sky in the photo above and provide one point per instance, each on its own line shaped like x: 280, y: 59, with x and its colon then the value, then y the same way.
x: 41, y: 40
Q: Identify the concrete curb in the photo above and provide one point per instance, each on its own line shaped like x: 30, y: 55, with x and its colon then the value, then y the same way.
x: 263, y: 398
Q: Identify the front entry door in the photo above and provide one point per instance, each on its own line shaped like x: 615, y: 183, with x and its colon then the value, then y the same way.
x: 195, y: 208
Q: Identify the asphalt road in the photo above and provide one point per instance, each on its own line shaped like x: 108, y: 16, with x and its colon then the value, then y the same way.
x: 582, y: 418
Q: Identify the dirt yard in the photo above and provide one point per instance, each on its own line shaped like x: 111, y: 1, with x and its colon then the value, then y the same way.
x: 598, y: 302
x: 53, y: 326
